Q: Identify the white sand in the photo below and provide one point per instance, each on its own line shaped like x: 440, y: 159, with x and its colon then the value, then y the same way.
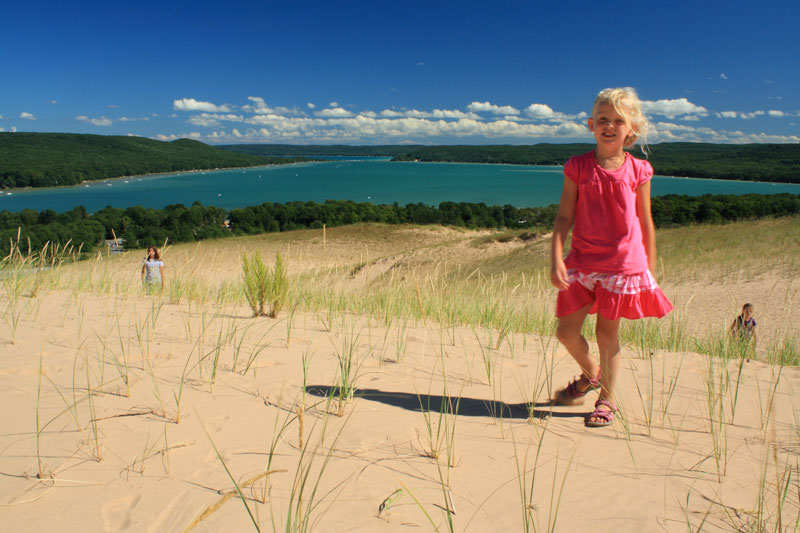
x: 158, y: 475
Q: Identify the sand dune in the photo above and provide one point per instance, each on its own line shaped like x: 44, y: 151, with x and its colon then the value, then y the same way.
x: 113, y: 403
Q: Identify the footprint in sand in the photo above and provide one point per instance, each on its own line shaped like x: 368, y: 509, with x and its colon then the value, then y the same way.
x: 117, y: 513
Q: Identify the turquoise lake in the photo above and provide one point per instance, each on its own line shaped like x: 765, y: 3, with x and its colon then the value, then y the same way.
x: 379, y: 181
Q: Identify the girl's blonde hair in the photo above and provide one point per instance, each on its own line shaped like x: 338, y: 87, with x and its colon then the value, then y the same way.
x: 626, y: 102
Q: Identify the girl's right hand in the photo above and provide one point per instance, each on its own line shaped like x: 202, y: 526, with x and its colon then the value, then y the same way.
x: 558, y: 274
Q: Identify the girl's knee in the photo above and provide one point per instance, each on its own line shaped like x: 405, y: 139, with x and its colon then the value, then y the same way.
x: 607, y: 331
x: 567, y: 332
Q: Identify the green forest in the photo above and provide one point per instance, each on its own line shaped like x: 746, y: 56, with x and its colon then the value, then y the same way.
x: 140, y: 227
x: 317, y: 150
x: 752, y: 162
x: 52, y: 159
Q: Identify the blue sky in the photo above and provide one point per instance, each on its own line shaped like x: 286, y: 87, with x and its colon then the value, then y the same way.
x: 398, y: 72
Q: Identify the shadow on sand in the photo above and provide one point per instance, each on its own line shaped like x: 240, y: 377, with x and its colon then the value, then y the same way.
x: 437, y: 403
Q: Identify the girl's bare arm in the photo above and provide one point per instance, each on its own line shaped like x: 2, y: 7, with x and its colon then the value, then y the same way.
x: 646, y: 223
x: 561, y: 227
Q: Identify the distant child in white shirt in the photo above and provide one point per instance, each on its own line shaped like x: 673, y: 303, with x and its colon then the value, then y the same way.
x: 153, y: 269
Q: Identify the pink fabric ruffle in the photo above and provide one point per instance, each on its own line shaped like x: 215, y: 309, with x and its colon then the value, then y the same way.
x: 613, y: 295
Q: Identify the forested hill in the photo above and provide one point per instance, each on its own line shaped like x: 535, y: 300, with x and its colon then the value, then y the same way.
x: 48, y: 159
x: 311, y: 150
x: 753, y: 162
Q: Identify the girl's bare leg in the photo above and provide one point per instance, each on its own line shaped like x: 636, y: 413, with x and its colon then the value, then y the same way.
x: 569, y: 334
x: 608, y: 344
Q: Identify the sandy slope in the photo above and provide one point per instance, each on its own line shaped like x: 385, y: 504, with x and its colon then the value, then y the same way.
x: 655, y: 469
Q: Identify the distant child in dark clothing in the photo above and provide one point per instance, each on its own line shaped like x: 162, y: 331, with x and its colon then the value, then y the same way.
x: 743, y: 327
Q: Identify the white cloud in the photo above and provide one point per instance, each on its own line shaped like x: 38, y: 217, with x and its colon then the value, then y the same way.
x: 99, y: 121
x: 545, y: 112
x: 753, y: 114
x: 334, y: 112
x: 52, y: 102
x: 333, y: 104
x: 260, y: 106
x: 190, y: 104
x: 481, y: 107
x: 723, y: 76
x: 27, y: 116
x: 673, y: 108
x: 666, y: 131
x: 739, y: 114
x: 172, y: 137
x: 134, y: 119
x: 357, y: 128
x: 776, y: 113
x: 203, y: 121
x: 540, y: 111
x: 310, y: 105
x: 112, y: 106
x: 213, y: 119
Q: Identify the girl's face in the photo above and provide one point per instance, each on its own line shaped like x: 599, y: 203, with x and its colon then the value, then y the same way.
x: 609, y: 127
x: 748, y: 312
x: 151, y: 253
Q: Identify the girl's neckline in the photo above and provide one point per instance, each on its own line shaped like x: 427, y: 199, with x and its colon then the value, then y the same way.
x: 615, y: 169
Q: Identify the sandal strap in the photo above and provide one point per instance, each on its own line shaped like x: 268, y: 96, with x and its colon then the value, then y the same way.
x: 606, y: 403
x: 607, y: 416
x: 572, y: 388
x: 594, y: 382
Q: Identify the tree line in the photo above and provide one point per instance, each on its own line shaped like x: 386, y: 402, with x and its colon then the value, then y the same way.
x: 140, y: 227
x: 53, y: 159
x: 751, y: 162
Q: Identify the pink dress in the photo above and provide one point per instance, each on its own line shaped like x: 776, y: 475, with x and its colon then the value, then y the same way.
x: 607, y: 262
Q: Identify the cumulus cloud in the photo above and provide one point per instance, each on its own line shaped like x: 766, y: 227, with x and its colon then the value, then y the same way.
x: 334, y: 112
x: 545, y: 112
x: 667, y: 131
x: 172, y: 137
x: 27, y: 116
x: 722, y: 76
x: 310, y: 105
x: 740, y: 114
x: 190, y: 104
x: 776, y: 113
x: 133, y: 119
x: 213, y: 119
x: 486, y: 107
x: 259, y: 107
x: 540, y: 111
x: 99, y: 121
x: 679, y: 107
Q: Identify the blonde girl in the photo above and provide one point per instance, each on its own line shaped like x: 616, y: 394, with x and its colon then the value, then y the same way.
x: 606, y: 202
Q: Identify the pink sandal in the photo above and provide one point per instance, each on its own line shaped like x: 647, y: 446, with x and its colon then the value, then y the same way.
x: 606, y: 416
x: 571, y: 395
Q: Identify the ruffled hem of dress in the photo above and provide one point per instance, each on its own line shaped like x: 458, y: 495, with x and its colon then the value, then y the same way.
x: 648, y: 303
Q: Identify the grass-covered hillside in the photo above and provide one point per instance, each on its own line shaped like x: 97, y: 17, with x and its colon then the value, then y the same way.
x: 50, y: 159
